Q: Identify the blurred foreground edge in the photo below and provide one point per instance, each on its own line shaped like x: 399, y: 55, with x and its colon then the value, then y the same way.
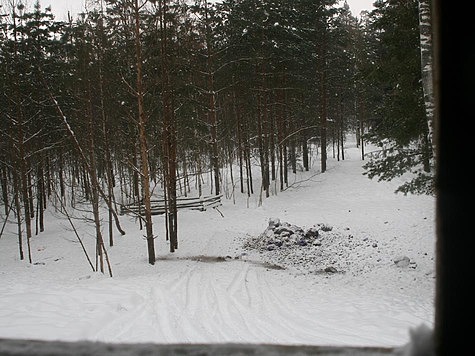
x: 56, y: 348
x: 454, y: 89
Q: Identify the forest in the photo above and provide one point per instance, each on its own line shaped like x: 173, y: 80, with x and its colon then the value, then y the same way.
x: 137, y: 100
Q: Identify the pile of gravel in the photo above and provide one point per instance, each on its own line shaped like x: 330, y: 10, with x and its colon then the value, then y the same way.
x: 317, y: 249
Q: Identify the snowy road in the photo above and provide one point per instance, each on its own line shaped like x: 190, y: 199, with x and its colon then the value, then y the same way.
x: 232, y: 301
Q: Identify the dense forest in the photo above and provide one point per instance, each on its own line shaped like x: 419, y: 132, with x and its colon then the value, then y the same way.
x: 134, y: 100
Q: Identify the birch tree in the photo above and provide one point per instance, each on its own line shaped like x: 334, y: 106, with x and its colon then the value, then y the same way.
x: 425, y: 30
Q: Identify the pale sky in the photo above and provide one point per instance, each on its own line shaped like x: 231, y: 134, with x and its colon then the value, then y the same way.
x: 61, y: 7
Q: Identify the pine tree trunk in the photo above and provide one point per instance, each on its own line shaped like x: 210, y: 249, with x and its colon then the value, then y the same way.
x: 85, y: 182
x: 247, y: 159
x: 362, y: 113
x: 260, y: 134
x: 293, y: 156
x: 62, y: 188
x: 145, y: 173
x: 23, y: 176
x: 16, y: 192
x: 323, y: 101
x: 198, y: 173
x: 16, y: 197
x: 280, y: 134
x: 94, y: 188
x: 272, y: 148
x: 265, y: 123
x: 49, y: 182
x: 323, y: 136
x: 135, y: 189
x: 30, y: 189
x: 4, y: 183
x: 40, y: 196
x: 305, y: 152
x: 237, y: 115
x: 323, y: 122
x: 24, y: 189
x: 107, y: 151
x: 169, y: 134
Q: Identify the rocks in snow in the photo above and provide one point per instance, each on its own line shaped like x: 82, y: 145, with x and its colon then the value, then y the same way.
x: 305, y: 249
x: 331, y: 269
x: 319, y: 248
x: 404, y: 261
x: 322, y: 248
x: 282, y: 235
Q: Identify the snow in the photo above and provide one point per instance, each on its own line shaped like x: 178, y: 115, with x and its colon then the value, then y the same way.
x: 216, y: 289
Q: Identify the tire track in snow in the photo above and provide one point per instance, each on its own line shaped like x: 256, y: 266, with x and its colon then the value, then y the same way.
x: 181, y: 310
x: 161, y: 320
x: 220, y: 323
x: 239, y: 309
x: 250, y: 307
x: 208, y: 289
x: 182, y: 300
x: 118, y: 324
x: 239, y: 315
x: 295, y: 325
x: 239, y: 282
x: 272, y: 316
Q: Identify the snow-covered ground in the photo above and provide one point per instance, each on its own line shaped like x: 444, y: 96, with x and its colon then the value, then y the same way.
x: 217, y: 289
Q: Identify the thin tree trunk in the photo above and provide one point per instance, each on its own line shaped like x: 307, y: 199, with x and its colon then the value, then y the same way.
x: 198, y: 173
x: 49, y: 182
x: 341, y: 129
x: 18, y: 214
x: 24, y: 188
x: 21, y: 154
x: 280, y: 134
x: 361, y: 128
x: 4, y: 182
x: 265, y: 139
x: 212, y: 102
x: 169, y: 133
x: 40, y: 197
x: 143, y: 140
x: 260, y: 141
x: 323, y: 123
x: 105, y: 137
x: 323, y: 104
x: 62, y: 188
x: 272, y: 148
x: 305, y: 152
x: 237, y: 115
x: 94, y: 179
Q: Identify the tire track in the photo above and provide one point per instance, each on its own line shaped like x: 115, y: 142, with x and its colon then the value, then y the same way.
x: 250, y: 311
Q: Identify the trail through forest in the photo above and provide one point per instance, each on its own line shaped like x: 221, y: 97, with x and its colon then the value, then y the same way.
x: 213, y: 290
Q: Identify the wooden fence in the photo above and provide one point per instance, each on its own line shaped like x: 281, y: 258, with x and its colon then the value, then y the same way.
x: 159, y: 206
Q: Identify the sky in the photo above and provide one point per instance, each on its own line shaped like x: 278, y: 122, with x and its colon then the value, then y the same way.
x: 214, y: 289
x: 61, y: 7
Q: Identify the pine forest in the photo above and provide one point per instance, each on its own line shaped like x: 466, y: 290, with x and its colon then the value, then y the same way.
x: 136, y: 101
